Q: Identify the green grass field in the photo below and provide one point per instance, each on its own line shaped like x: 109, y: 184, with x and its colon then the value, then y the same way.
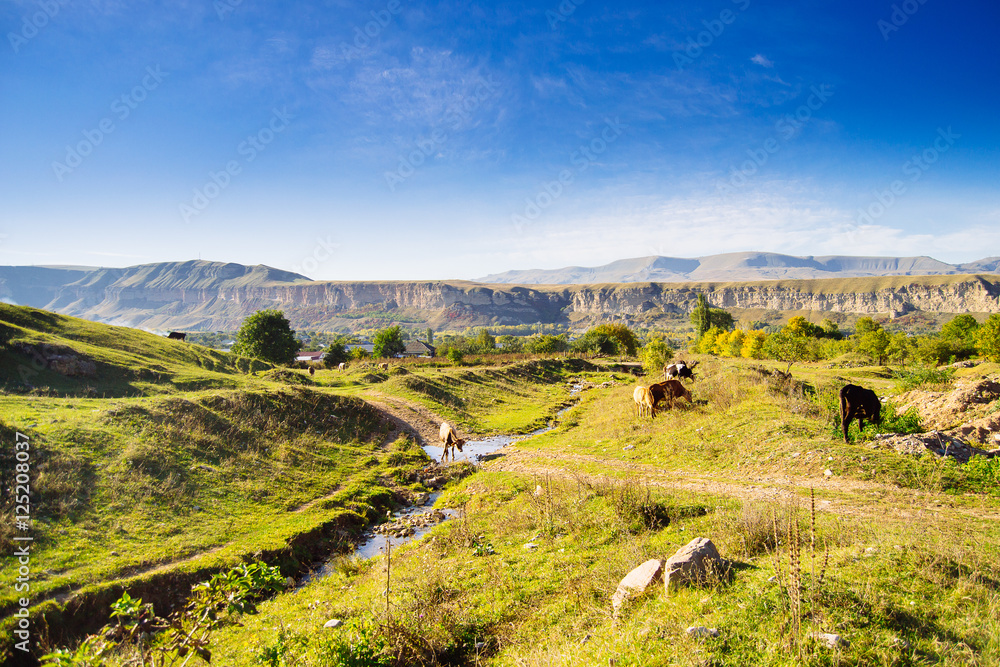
x: 159, y: 483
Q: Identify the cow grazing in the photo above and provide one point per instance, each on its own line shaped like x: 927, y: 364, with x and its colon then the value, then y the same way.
x: 680, y: 369
x: 341, y: 366
x: 383, y: 366
x: 861, y: 404
x: 669, y: 391
x: 644, y: 401
x: 176, y: 335
x: 312, y: 371
x: 449, y: 439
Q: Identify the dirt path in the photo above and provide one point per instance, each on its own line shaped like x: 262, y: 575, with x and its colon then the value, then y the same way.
x: 408, y: 417
x: 840, y: 496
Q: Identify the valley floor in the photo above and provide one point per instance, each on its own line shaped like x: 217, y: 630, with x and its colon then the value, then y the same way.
x: 899, y: 556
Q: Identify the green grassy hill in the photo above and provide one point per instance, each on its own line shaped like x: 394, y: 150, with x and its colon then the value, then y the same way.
x: 43, y: 352
x: 151, y: 493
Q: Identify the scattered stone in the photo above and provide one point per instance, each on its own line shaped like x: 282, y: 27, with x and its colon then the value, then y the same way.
x: 115, y: 553
x: 637, y: 581
x: 702, y: 631
x: 936, y: 442
x: 530, y: 545
x: 539, y: 491
x: 773, y: 579
x: 628, y: 447
x: 828, y: 473
x: 830, y: 640
x: 289, y: 582
x: 695, y: 562
x: 333, y: 623
x: 902, y: 643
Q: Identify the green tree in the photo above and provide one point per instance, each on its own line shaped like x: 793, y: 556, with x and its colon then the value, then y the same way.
x: 268, y: 336
x: 546, y: 344
x: 932, y: 350
x: 607, y: 339
x: 388, y: 342
x: 874, y: 344
x: 721, y: 318
x: 901, y: 347
x: 787, y: 347
x: 430, y: 336
x: 336, y: 353
x: 700, y: 317
x: 625, y: 339
x: 800, y: 326
x: 656, y: 354
x: 960, y: 333
x: 455, y: 356
x: 484, y: 342
x: 831, y: 330
x: 988, y: 338
x: 865, y: 325
x: 510, y: 344
x: 961, y: 328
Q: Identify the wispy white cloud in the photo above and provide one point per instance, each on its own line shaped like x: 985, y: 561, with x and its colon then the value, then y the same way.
x: 762, y: 60
x: 694, y: 226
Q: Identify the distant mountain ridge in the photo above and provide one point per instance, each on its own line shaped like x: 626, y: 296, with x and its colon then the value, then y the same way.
x: 208, y: 296
x: 740, y: 267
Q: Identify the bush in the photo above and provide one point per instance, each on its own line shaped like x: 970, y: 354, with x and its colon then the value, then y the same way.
x: 984, y: 473
x: 267, y: 335
x: 907, y: 380
x: 655, y: 355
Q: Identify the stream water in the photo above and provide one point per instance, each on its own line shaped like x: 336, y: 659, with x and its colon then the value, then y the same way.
x: 418, y: 520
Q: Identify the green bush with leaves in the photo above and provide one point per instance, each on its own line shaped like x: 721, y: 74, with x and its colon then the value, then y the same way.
x: 987, y: 338
x: 388, y: 342
x: 164, y: 642
x: 656, y: 354
x: 268, y: 336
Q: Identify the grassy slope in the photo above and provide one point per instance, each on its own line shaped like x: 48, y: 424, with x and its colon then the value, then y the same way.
x: 911, y: 575
x: 199, y: 465
x: 129, y: 362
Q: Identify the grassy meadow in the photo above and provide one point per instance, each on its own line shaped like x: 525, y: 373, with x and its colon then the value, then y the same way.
x: 174, y: 462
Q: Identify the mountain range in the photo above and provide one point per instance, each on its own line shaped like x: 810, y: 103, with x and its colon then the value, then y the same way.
x: 210, y: 296
x: 739, y: 267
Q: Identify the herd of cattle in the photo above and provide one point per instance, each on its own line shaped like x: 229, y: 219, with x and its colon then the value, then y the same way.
x: 856, y: 403
x: 647, y: 398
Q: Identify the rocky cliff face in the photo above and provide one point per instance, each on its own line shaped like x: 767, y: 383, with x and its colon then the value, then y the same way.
x: 161, y: 301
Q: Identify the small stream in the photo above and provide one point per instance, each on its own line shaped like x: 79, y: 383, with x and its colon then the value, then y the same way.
x: 413, y: 522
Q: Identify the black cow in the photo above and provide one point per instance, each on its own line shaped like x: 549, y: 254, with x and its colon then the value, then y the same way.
x: 176, y: 335
x: 861, y: 404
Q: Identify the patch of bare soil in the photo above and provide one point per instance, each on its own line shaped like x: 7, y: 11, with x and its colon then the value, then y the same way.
x: 949, y: 409
x: 968, y: 413
x: 409, y: 417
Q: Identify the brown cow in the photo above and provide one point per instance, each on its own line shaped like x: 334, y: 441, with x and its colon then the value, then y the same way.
x: 669, y: 390
x: 176, y: 335
x: 861, y: 404
x: 449, y: 439
x: 644, y: 401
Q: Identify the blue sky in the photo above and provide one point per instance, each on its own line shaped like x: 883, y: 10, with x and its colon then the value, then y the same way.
x: 397, y: 139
